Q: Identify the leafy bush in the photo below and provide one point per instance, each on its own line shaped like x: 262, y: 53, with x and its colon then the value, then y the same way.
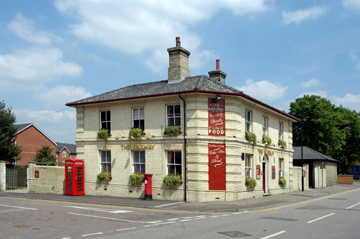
x: 173, y: 130
x: 136, y: 178
x: 282, y: 181
x: 135, y: 133
x: 251, y: 137
x: 104, y: 176
x: 172, y: 180
x: 250, y: 183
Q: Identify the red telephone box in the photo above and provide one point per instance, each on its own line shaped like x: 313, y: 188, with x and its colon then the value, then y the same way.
x: 74, y: 177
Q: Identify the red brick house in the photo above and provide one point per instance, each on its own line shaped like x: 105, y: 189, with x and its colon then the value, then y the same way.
x: 65, y: 151
x: 30, y: 138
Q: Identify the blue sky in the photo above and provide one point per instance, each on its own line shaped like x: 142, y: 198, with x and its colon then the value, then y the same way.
x: 59, y: 51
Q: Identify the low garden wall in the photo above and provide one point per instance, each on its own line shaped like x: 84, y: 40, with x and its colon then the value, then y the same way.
x: 46, y: 179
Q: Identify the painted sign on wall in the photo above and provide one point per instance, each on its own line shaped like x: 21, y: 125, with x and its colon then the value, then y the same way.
x: 217, y: 162
x: 258, y: 172
x: 216, y: 111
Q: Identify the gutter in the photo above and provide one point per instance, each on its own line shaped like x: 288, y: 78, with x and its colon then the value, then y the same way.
x: 185, y: 145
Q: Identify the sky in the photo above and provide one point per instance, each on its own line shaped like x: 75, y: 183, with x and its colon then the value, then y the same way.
x: 59, y: 51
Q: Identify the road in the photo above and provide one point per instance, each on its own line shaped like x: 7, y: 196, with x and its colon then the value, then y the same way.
x: 337, y: 216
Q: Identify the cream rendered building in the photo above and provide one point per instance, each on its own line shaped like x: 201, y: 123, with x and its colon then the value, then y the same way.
x: 211, y: 153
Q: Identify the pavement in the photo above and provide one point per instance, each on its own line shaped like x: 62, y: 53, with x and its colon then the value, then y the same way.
x: 248, y: 204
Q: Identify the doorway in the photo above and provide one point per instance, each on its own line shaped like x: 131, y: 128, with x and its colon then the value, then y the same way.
x: 265, y: 174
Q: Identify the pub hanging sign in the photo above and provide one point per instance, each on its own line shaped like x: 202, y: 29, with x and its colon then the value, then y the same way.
x: 216, y: 111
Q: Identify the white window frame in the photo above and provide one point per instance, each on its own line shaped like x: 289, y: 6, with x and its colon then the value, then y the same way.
x: 64, y: 154
x: 265, y: 124
x: 248, y: 120
x: 138, y: 114
x: 173, y: 118
x: 281, y: 130
x: 248, y: 158
x: 137, y: 161
x: 107, y: 121
x: 106, y: 160
x: 173, y: 163
x: 281, y: 167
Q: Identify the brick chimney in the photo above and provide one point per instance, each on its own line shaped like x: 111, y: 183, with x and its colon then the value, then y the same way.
x: 178, y: 62
x: 218, y: 74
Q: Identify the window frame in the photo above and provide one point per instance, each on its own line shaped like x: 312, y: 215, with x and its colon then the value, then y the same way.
x: 173, y: 164
x: 105, y: 124
x: 105, y: 161
x: 248, y: 158
x: 248, y: 120
x: 64, y: 154
x: 265, y: 125
x: 138, y: 118
x: 281, y: 130
x: 281, y: 167
x: 175, y: 117
x: 142, y: 165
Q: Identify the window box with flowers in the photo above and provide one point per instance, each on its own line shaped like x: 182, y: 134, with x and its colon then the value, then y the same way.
x: 104, y: 176
x: 266, y: 140
x: 172, y: 180
x: 136, y: 178
x: 173, y: 130
x: 282, y: 144
x: 282, y: 181
x: 250, y: 183
x: 103, y: 134
x: 135, y: 133
x: 251, y: 137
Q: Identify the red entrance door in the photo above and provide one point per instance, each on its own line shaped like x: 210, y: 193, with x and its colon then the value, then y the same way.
x: 264, y: 176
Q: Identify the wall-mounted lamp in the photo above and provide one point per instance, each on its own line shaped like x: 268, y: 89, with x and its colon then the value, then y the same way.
x: 218, y: 97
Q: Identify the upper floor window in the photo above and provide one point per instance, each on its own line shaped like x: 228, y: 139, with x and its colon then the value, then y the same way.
x: 248, y: 165
x: 265, y: 125
x: 138, y: 118
x: 248, y: 120
x: 139, y: 161
x: 173, y: 115
x: 105, y: 122
x: 64, y: 154
x: 281, y: 130
x: 105, y: 164
x: 174, y: 162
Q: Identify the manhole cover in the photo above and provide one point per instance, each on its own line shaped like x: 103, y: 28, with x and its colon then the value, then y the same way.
x: 20, y: 226
x: 235, y: 234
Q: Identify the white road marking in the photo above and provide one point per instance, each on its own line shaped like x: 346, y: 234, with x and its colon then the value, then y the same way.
x: 273, y: 235
x: 26, y: 208
x: 126, y: 229
x: 99, y: 209
x: 353, y: 205
x: 238, y: 213
x: 108, y: 218
x: 92, y: 234
x: 169, y: 204
x: 317, y: 219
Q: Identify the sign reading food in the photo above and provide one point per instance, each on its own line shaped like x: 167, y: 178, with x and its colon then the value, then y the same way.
x: 216, y: 111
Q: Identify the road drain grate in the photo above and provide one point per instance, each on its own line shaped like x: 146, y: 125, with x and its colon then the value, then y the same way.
x: 235, y: 234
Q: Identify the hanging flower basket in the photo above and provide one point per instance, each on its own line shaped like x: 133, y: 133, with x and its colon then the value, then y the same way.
x: 103, y: 134
x: 136, y: 178
x: 251, y: 137
x: 250, y: 183
x: 135, y: 133
x: 173, y: 130
x: 266, y: 140
x: 282, y: 144
x: 282, y: 181
x: 172, y: 180
x: 104, y: 176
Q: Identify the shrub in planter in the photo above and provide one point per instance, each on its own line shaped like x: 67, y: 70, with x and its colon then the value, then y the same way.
x: 251, y: 137
x: 172, y: 180
x: 135, y: 133
x: 104, y: 176
x: 282, y: 144
x: 103, y: 134
x: 266, y: 140
x: 250, y: 183
x: 136, y: 178
x: 282, y: 181
x: 172, y: 130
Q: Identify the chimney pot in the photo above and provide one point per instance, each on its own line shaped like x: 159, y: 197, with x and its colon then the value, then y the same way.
x: 217, y: 64
x: 178, y: 43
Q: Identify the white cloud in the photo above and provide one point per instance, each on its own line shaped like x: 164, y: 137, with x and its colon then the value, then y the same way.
x: 59, y: 95
x: 349, y: 100
x: 303, y: 14
x: 311, y: 83
x: 323, y: 94
x: 25, y: 29
x: 34, y: 66
x: 263, y: 90
x: 137, y: 26
x: 351, y: 4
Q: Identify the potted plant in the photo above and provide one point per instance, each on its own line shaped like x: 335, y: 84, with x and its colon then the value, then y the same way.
x: 172, y: 180
x: 103, y: 134
x: 251, y: 137
x: 135, y: 133
x: 266, y: 140
x: 282, y: 181
x: 250, y: 183
x: 136, y: 178
x: 173, y: 130
x: 104, y: 176
x: 282, y: 144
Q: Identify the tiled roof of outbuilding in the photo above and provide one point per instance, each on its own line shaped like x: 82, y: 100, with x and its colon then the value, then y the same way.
x: 310, y: 154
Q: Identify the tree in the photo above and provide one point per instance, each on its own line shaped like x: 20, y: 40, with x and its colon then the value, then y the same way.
x: 8, y: 148
x: 44, y: 155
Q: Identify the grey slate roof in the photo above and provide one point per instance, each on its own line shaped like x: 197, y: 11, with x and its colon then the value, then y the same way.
x: 71, y: 148
x: 21, y: 127
x: 188, y: 84
x: 311, y: 155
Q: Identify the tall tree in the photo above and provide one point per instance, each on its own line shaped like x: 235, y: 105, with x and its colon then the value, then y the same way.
x: 45, y: 155
x: 8, y: 148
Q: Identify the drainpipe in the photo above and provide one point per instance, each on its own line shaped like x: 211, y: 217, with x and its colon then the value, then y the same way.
x: 185, y: 167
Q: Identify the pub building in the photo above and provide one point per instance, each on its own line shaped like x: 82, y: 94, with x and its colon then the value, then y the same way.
x: 214, y: 137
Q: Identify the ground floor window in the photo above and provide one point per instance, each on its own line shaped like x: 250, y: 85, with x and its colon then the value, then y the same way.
x: 105, y: 164
x: 248, y: 165
x: 174, y: 162
x: 139, y: 161
x: 281, y: 167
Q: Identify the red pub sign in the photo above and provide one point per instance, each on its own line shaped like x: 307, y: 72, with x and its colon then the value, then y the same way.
x: 217, y: 162
x: 216, y: 111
